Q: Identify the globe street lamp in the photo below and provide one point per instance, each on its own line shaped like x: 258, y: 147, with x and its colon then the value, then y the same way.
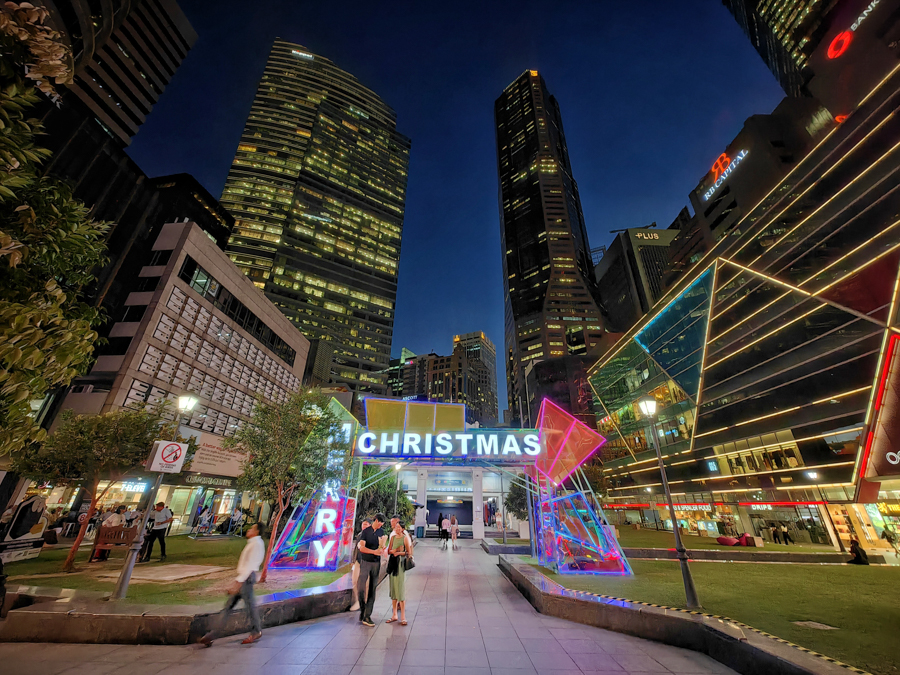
x: 648, y: 409
x: 185, y: 404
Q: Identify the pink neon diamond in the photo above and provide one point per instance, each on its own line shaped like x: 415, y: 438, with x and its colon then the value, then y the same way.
x: 569, y: 442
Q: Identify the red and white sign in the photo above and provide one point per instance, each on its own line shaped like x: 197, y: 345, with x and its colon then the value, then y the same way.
x: 167, y: 457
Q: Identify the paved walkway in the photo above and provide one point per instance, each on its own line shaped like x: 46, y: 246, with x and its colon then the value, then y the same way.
x: 464, y: 617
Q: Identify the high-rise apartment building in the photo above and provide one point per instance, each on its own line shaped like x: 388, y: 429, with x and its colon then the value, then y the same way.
x: 318, y: 189
x: 123, y: 56
x: 551, y: 310
x: 785, y: 33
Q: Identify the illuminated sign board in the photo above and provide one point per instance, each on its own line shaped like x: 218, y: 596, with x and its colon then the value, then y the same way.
x: 760, y: 507
x: 647, y: 235
x: 493, y: 444
x: 689, y: 507
x: 134, y: 487
x: 722, y: 168
x: 302, y: 55
x: 842, y: 40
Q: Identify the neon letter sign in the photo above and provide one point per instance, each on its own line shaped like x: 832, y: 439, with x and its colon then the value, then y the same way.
x: 722, y: 169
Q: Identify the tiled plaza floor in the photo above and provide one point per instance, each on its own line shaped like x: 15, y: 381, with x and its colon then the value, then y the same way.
x: 464, y: 617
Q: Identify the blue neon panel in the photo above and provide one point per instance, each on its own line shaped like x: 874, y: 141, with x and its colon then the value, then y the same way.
x: 674, y: 338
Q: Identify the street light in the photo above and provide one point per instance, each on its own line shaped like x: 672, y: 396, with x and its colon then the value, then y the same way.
x: 648, y: 409
x: 397, y: 468
x: 185, y: 404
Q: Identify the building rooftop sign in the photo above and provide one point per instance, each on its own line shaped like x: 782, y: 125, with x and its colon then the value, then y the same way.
x: 721, y: 169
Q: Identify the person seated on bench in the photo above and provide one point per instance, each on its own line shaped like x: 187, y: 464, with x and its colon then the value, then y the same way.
x: 117, y: 519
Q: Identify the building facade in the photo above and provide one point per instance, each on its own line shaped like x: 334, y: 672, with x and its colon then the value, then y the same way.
x: 550, y: 305
x: 784, y: 33
x: 318, y: 190
x: 123, y: 55
x: 629, y: 275
x: 479, y: 349
x: 773, y: 362
x: 767, y: 148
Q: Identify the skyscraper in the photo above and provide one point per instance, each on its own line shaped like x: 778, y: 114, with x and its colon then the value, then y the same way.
x: 123, y: 56
x: 479, y: 349
x: 785, y: 33
x: 318, y: 189
x: 547, y: 273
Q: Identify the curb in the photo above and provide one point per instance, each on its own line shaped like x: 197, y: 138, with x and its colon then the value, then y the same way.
x: 745, y: 649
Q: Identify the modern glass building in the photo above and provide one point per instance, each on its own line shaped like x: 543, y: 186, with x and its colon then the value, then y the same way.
x: 547, y: 272
x: 773, y: 361
x: 318, y: 189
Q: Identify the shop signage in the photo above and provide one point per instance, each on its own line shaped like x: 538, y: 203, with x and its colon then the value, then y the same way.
x: 212, y: 481
x: 623, y: 507
x: 689, y: 507
x: 134, y: 487
x: 24, y: 537
x: 494, y: 444
x: 722, y: 168
x: 167, y: 457
x: 842, y: 40
x: 760, y: 507
x: 212, y: 458
x: 889, y: 509
x: 647, y: 235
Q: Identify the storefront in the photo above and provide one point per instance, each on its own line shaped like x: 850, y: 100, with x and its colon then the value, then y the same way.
x: 805, y: 521
x: 188, y: 494
x: 702, y: 519
x: 625, y: 514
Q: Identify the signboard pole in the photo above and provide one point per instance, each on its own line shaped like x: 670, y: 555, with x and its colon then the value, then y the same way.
x: 134, y: 550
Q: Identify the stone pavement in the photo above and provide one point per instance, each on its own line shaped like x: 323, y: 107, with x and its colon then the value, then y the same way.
x: 465, y: 618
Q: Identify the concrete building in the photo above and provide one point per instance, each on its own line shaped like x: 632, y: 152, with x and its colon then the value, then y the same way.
x: 479, y: 348
x: 629, y: 275
x: 123, y: 55
x: 196, y: 326
x: 767, y: 149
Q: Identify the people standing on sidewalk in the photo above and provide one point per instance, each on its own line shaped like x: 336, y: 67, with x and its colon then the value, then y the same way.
x: 775, y: 536
x: 354, y: 563
x: 454, y: 530
x: 785, y: 535
x: 445, y: 531
x: 370, y: 547
x: 242, y: 588
x: 399, y: 546
x: 438, y: 522
x: 160, y: 517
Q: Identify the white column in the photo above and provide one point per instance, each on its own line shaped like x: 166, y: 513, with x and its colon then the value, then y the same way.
x: 422, y: 496
x: 477, y: 505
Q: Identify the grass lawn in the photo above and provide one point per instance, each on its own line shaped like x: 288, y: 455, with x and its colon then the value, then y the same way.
x: 642, y: 538
x: 46, y: 571
x: 860, y: 601
x: 513, y: 542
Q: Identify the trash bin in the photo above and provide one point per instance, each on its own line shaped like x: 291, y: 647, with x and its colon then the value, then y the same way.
x: 420, y: 532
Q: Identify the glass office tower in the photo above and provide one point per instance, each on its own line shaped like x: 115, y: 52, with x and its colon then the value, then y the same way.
x: 318, y: 189
x: 550, y: 307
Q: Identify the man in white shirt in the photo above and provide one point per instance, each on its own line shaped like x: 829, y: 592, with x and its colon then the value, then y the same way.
x: 242, y: 588
x: 116, y: 519
x: 445, y: 531
x: 160, y: 517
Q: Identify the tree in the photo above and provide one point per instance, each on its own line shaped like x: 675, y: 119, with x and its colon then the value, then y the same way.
x: 291, y: 449
x: 379, y: 497
x: 517, y: 500
x: 86, y: 449
x: 49, y: 246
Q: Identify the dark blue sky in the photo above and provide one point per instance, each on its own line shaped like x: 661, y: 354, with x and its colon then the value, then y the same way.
x: 651, y: 91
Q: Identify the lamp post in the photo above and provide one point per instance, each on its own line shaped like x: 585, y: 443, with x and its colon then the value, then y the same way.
x: 397, y: 468
x: 185, y: 404
x: 648, y: 408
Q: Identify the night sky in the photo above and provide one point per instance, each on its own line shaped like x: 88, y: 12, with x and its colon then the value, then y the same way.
x: 651, y: 92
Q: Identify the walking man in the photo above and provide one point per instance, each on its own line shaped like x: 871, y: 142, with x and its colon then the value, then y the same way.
x: 242, y: 588
x: 160, y: 517
x: 445, y: 531
x: 371, y: 546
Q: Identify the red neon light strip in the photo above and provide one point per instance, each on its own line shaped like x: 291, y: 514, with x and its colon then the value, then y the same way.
x: 879, y: 399
x: 780, y: 503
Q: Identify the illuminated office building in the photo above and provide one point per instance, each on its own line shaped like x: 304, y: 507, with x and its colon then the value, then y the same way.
x: 481, y: 353
x: 318, y: 188
x: 774, y: 361
x: 785, y: 33
x: 550, y: 309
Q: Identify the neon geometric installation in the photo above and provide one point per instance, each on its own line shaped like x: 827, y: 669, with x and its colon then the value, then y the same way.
x: 570, y: 538
x: 319, y: 535
x: 568, y: 442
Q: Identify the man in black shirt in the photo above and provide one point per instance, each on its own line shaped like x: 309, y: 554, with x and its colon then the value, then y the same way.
x: 370, y: 549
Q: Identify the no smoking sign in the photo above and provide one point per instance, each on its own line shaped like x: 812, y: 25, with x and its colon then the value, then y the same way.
x: 167, y: 457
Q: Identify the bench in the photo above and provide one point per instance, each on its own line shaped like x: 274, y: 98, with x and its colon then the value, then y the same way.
x: 109, y: 538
